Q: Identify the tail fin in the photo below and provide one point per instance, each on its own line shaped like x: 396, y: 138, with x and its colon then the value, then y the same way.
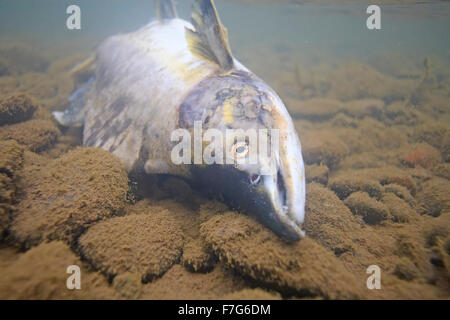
x: 165, y: 9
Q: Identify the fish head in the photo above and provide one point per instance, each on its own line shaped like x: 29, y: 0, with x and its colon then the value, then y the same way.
x: 262, y: 172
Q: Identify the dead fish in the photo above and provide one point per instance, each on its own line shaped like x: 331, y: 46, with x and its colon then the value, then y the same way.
x: 171, y: 74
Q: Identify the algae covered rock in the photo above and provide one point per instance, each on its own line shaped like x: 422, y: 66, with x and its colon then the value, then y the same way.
x: 303, y: 268
x: 145, y: 244
x: 434, y: 198
x: 11, y: 160
x: 317, y: 173
x: 371, y: 210
x: 179, y: 283
x: 316, y: 109
x: 252, y: 294
x: 41, y: 273
x: 61, y: 197
x: 323, y: 147
x: 351, y: 181
x: 196, y: 257
x: 16, y: 108
x: 35, y: 135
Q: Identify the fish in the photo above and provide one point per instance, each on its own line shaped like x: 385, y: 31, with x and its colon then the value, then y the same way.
x: 173, y: 75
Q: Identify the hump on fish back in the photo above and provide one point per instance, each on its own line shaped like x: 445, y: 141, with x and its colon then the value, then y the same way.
x: 209, y: 39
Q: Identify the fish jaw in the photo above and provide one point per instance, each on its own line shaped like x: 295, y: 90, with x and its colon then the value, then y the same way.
x: 259, y: 200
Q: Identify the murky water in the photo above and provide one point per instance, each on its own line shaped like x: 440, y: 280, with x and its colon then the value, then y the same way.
x: 372, y: 109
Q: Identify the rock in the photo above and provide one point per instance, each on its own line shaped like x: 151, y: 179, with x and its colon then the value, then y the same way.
x: 431, y: 132
x: 197, y: 258
x: 128, y: 285
x: 364, y: 108
x: 353, y: 81
x: 317, y: 173
x: 436, y: 228
x: 445, y: 147
x: 252, y: 294
x: 419, y: 155
x: 146, y: 244
x: 11, y: 157
x: 11, y: 160
x: 41, y: 273
x: 178, y: 283
x: 442, y: 170
x: 303, y: 268
x: 398, y: 113
x: 21, y: 58
x: 16, y: 108
x: 328, y: 220
x: 62, y: 197
x: 372, y: 211
x: 350, y: 181
x: 388, y: 175
x: 364, y: 160
x: 406, y: 270
x: 434, y: 196
x: 343, y: 121
x: 36, y: 135
x: 401, y: 192
x: 323, y: 147
x: 399, y: 210
x: 316, y: 109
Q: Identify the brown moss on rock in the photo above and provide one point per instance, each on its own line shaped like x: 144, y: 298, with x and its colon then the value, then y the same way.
x: 419, y: 155
x: 21, y: 58
x: 406, y: 270
x: 401, y: 192
x: 252, y: 294
x: 317, y: 173
x: 11, y: 157
x: 146, y: 244
x: 303, y: 268
x: 364, y: 108
x: 41, y: 273
x: 434, y: 197
x: 316, y: 109
x: 353, y: 81
x: 178, y: 283
x: 328, y: 220
x: 197, y: 258
x: 350, y: 181
x: 11, y: 160
x: 61, y: 197
x: 372, y: 211
x: 36, y: 135
x: 323, y: 147
x: 445, y: 147
x: 435, y: 229
x: 387, y: 175
x: 16, y: 108
x: 128, y: 285
x: 399, y: 210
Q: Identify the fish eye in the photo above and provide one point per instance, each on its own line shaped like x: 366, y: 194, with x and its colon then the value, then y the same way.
x: 240, y: 149
x: 255, y: 178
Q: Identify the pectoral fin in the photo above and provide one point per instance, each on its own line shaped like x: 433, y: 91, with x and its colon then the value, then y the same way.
x: 209, y: 40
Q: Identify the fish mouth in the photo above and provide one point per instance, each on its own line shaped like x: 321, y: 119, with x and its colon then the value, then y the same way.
x: 267, y: 199
x: 279, y: 215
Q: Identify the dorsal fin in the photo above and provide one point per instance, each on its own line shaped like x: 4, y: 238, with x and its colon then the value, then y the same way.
x: 165, y: 9
x: 209, y: 40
